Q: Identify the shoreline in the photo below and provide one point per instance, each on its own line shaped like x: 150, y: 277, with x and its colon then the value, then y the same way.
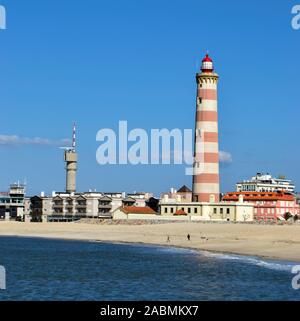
x: 265, y: 242
x: 196, y: 250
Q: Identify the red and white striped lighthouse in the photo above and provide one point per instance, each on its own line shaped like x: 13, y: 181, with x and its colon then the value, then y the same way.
x: 206, y: 182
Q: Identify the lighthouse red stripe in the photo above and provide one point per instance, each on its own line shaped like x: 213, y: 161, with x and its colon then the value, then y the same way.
x: 208, y: 94
x: 207, y: 178
x: 210, y: 137
x: 211, y: 157
x: 207, y: 116
x: 207, y: 158
x: 205, y: 197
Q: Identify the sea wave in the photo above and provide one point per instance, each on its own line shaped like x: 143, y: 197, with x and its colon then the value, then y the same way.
x: 268, y: 264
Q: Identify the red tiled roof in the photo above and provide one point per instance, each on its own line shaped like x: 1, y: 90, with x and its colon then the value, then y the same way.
x: 138, y: 210
x: 180, y: 212
x: 257, y: 196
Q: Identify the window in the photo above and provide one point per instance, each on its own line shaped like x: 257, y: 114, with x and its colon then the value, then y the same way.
x: 195, y: 210
x: 166, y: 210
x: 215, y: 211
x: 172, y: 210
x: 221, y: 210
x: 228, y: 211
x: 189, y: 210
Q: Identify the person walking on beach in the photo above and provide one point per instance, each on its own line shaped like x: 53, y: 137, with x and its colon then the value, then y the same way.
x: 188, y: 237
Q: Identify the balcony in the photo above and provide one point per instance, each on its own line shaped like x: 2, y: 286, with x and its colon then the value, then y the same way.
x: 105, y: 205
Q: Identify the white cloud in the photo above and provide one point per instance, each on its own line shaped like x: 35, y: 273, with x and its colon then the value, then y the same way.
x: 14, y: 140
x: 225, y: 157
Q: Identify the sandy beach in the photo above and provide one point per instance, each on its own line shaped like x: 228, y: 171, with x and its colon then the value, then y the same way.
x: 273, y: 242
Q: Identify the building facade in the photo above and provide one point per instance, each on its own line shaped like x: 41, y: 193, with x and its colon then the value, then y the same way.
x: 268, y: 205
x: 12, y: 203
x: 70, y: 207
x: 210, y: 211
x: 265, y: 183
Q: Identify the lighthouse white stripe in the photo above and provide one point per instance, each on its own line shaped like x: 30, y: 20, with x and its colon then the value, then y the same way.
x: 206, y: 188
x: 208, y: 86
x: 208, y: 126
x: 210, y: 147
x: 208, y: 105
x: 208, y: 168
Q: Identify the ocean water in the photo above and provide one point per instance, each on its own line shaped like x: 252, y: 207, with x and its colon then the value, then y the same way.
x: 43, y: 269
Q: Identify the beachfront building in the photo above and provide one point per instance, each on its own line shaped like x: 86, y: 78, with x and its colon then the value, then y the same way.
x: 238, y: 211
x: 268, y: 206
x: 12, y: 203
x: 74, y: 206
x: 135, y: 213
x: 298, y: 198
x: 265, y: 183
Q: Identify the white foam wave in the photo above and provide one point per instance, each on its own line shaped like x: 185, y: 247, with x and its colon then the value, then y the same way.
x: 268, y: 264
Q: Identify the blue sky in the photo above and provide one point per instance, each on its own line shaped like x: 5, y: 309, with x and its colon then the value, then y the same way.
x: 98, y: 62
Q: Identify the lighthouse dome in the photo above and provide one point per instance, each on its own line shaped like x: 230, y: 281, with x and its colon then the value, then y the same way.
x: 207, y: 64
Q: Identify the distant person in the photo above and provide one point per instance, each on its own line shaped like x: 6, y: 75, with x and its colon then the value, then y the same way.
x: 168, y: 239
x: 188, y: 237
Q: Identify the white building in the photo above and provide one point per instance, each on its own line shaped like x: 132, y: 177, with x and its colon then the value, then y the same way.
x: 265, y: 183
x: 12, y: 203
x: 74, y: 206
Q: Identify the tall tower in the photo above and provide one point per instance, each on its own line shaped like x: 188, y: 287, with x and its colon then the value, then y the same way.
x: 206, y: 182
x: 71, y: 165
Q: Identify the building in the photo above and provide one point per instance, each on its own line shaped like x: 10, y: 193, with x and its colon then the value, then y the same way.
x: 265, y: 183
x: 135, y: 213
x: 183, y: 194
x: 71, y: 207
x: 12, y: 203
x: 267, y: 205
x: 298, y: 198
x: 210, y: 211
x: 206, y: 151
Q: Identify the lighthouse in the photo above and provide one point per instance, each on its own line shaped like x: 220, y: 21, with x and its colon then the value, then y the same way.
x: 206, y: 181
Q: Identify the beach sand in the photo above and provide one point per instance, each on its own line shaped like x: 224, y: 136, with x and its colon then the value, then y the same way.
x: 269, y: 241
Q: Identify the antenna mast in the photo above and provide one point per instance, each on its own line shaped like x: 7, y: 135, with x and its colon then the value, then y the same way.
x: 74, y: 137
